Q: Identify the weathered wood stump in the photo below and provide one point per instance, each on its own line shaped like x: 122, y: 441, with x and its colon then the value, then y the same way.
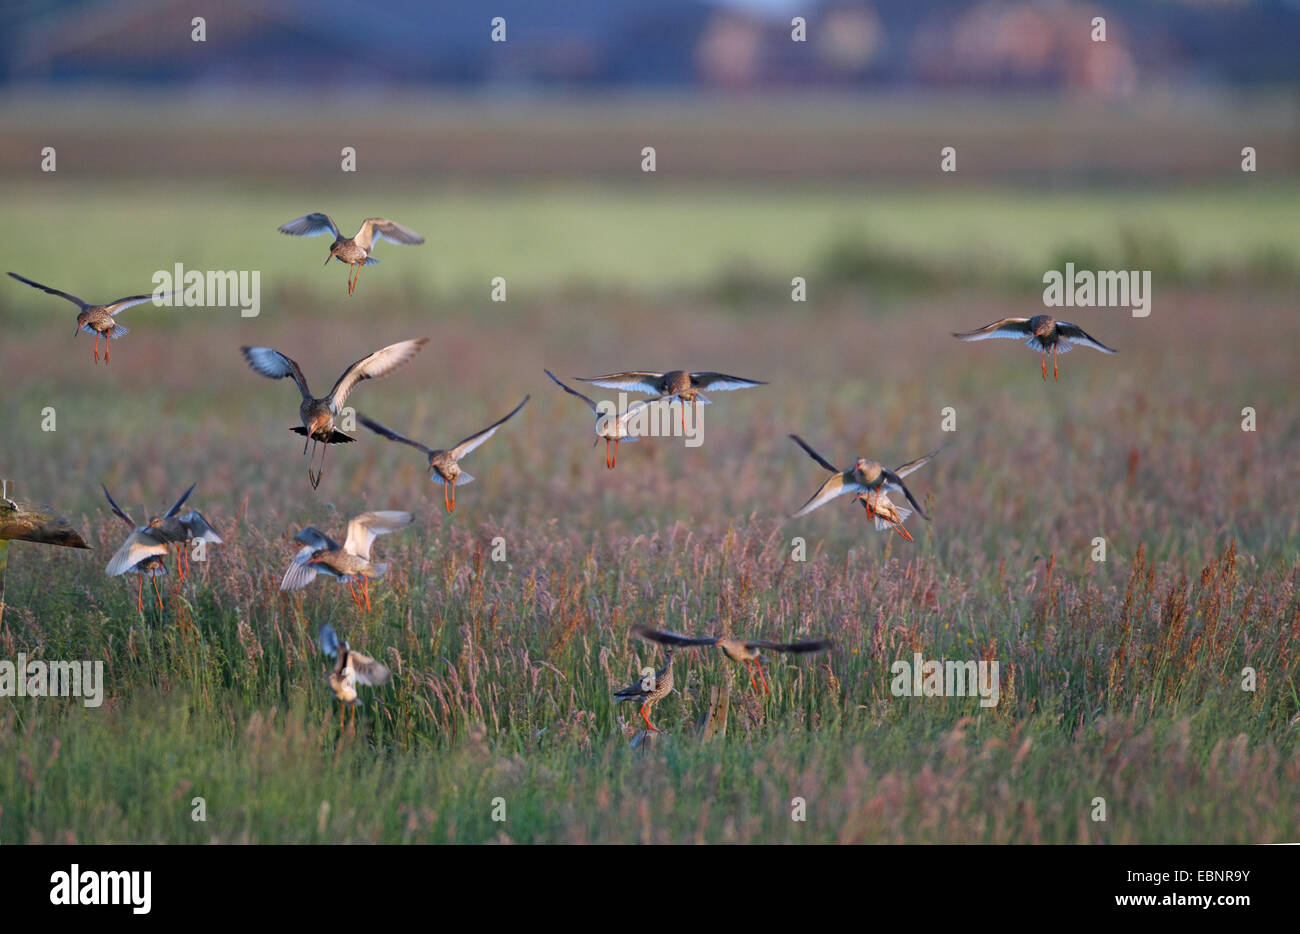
x: 35, y: 522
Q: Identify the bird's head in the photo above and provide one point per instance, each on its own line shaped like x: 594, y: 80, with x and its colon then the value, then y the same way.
x: 318, y: 423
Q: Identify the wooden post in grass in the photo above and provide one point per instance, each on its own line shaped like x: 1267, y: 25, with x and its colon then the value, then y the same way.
x: 30, y: 522
x: 715, y: 719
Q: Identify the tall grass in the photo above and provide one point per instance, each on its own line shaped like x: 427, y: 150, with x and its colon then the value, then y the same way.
x: 1120, y: 679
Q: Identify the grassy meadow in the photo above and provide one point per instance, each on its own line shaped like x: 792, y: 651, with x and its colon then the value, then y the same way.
x: 1120, y: 678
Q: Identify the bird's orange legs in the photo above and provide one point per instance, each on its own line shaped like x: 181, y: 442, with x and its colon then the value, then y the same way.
x: 106, y: 334
x: 139, y: 594
x: 646, y: 718
x: 611, y: 459
x: 362, y: 600
x: 449, y: 489
x: 1044, y: 364
x: 1056, y: 374
x: 751, y: 665
x: 353, y: 276
x: 182, y: 560
x: 898, y: 527
x: 94, y: 346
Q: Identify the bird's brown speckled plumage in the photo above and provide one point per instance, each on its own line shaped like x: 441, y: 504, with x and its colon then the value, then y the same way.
x: 649, y: 690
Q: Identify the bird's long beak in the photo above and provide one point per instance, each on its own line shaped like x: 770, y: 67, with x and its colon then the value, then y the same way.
x: 328, y: 258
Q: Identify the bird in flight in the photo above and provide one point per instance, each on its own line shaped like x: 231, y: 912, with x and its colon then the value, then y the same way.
x: 352, y: 668
x: 98, y: 320
x: 610, y: 425
x: 155, y: 537
x: 866, y: 476
x: 1041, y: 333
x: 348, y: 563
x: 151, y: 565
x: 749, y: 651
x: 318, y: 414
x: 685, y: 386
x: 355, y: 250
x: 885, y: 511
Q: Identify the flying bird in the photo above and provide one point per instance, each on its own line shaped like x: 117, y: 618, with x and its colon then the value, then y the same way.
x: 649, y: 690
x: 687, y: 387
x: 155, y: 537
x: 609, y: 425
x: 355, y: 250
x: 98, y: 319
x: 352, y: 668
x: 348, y: 563
x: 866, y: 476
x: 445, y: 465
x: 749, y: 651
x: 151, y: 565
x: 1041, y: 332
x: 318, y: 414
x: 885, y: 511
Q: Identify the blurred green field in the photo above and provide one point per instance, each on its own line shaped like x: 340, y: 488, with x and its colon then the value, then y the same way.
x: 653, y: 237
x: 1120, y: 679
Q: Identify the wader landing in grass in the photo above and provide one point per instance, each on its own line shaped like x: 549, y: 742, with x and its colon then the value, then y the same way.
x: 348, y: 563
x: 154, y: 538
x: 749, y: 651
x: 152, y: 565
x: 352, y: 668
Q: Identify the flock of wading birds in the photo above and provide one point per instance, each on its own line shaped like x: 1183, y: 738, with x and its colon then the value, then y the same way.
x: 145, y: 548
